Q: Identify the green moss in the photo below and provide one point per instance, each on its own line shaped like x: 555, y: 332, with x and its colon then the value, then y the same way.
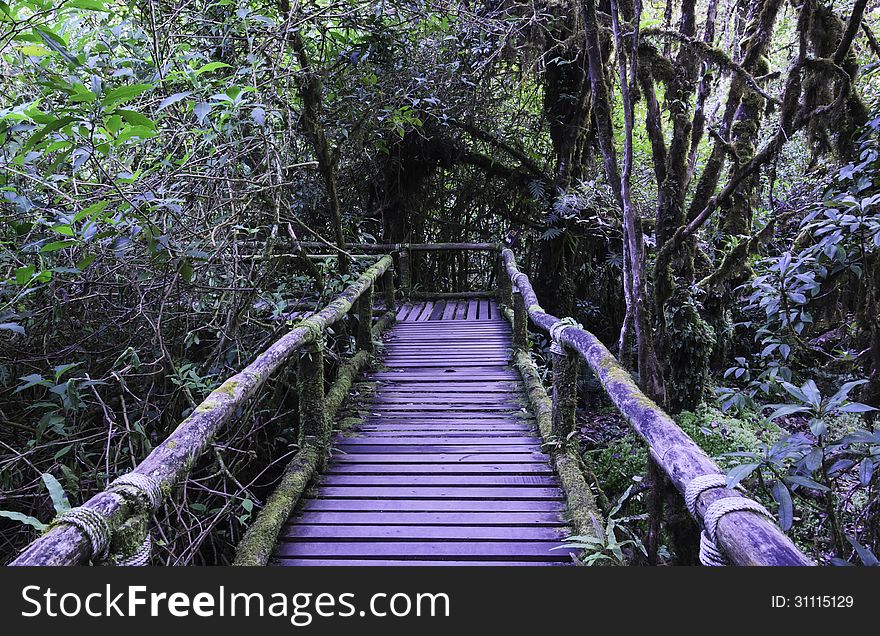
x: 228, y: 387
x: 258, y: 542
x: 718, y: 433
x: 128, y: 538
x: 618, y: 462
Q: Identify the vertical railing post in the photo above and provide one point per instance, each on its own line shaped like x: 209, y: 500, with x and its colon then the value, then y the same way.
x: 505, y: 286
x: 313, y: 420
x: 565, y: 373
x: 405, y: 273
x: 520, y: 320
x: 388, y: 288
x: 365, y: 320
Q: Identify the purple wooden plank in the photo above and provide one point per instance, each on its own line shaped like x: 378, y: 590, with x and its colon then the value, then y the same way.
x: 489, y: 550
x: 433, y: 505
x: 309, y: 533
x: 529, y: 519
x: 414, y: 313
x: 427, y: 432
x: 437, y: 312
x: 537, y: 468
x: 456, y: 392
x: 424, y: 408
x: 437, y: 480
x: 449, y: 310
x: 472, y: 310
x: 377, y: 415
x: 307, y: 562
x: 426, y: 450
x: 427, y: 311
x: 420, y: 457
x: 500, y: 400
x: 403, y: 311
x: 382, y: 415
x: 441, y: 440
x: 428, y: 492
x: 446, y: 383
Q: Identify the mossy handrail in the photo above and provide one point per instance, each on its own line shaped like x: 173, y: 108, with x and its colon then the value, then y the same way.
x: 747, y: 538
x: 172, y: 460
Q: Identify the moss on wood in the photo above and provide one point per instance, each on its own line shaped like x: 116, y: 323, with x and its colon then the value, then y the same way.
x: 259, y: 541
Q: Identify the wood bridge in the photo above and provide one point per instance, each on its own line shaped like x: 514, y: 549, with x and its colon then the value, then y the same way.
x: 448, y: 452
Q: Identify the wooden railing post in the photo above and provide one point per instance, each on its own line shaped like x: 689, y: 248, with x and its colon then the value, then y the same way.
x: 365, y: 321
x: 313, y: 421
x: 388, y: 288
x: 520, y: 320
x: 565, y: 372
x: 405, y: 274
x: 505, y: 286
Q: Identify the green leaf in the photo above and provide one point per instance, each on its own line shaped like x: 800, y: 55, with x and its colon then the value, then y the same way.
x: 114, y: 123
x: 62, y: 452
x: 23, y: 275
x: 122, y: 94
x: 54, y: 246
x: 135, y: 131
x: 137, y: 119
x: 35, y: 50
x: 186, y: 270
x: 211, y: 66
x: 55, y: 43
x: 90, y: 211
x: 47, y: 130
x: 90, y: 5
x: 23, y: 518
x: 83, y: 96
x: 56, y: 492
x: 64, y: 230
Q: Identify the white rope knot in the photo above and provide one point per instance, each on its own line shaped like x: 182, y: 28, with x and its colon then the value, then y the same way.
x: 699, y: 485
x: 139, y: 486
x: 727, y: 505
x: 515, y: 278
x: 710, y: 553
x: 556, y: 333
x: 91, y: 524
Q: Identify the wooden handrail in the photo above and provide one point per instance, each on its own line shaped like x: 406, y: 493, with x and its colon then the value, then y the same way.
x: 412, y: 247
x: 746, y: 537
x: 172, y: 460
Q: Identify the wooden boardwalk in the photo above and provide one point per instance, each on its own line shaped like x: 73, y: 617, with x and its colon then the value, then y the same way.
x: 446, y: 467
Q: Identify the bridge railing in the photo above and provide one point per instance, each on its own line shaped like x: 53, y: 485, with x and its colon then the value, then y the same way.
x: 435, y: 270
x: 87, y: 532
x: 746, y: 537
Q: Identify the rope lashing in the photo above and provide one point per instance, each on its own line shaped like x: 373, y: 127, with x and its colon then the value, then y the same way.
x: 710, y: 553
x: 91, y: 524
x: 555, y: 334
x: 515, y: 278
x: 139, y: 486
